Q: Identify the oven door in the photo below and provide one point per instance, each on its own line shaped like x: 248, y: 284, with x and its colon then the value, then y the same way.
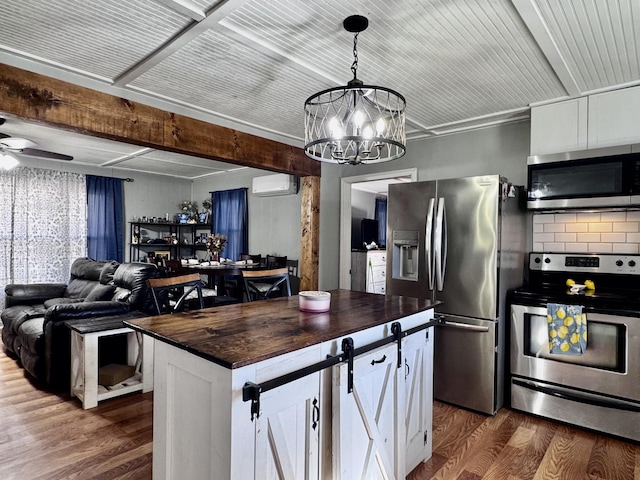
x: 609, y: 366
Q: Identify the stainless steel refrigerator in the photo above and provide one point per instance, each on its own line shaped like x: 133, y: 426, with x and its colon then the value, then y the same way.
x: 462, y: 242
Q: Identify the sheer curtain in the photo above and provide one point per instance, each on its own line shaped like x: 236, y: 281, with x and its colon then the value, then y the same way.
x: 43, y: 225
x: 231, y: 218
x: 381, y: 217
x: 105, y: 218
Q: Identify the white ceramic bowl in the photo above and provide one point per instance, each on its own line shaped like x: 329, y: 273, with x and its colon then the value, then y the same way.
x: 314, y: 301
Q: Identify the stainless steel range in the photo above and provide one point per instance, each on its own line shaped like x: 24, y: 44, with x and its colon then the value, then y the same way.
x: 599, y: 389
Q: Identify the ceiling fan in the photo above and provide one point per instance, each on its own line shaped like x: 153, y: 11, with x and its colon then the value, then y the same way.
x: 9, y: 144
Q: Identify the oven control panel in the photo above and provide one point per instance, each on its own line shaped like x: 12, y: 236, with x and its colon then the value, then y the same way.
x: 575, y: 262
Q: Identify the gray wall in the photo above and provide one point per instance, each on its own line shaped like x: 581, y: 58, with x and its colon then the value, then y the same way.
x: 274, y: 222
x: 149, y: 195
x: 501, y: 149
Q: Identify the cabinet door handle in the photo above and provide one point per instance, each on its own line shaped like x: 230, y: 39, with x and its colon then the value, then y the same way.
x: 316, y: 414
x: 384, y: 357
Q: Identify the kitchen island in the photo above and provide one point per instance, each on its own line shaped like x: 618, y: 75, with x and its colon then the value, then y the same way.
x: 263, y: 390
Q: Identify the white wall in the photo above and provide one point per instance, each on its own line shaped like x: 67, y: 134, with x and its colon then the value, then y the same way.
x: 497, y: 150
x: 274, y: 222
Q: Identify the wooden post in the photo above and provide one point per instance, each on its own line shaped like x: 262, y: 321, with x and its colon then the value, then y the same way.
x: 310, y: 238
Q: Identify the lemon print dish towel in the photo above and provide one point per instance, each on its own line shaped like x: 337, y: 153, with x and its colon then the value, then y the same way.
x: 567, y: 329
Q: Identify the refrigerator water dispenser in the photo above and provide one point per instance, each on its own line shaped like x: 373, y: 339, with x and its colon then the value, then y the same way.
x: 404, y: 261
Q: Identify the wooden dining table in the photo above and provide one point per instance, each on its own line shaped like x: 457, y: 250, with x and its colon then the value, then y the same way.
x: 216, y: 274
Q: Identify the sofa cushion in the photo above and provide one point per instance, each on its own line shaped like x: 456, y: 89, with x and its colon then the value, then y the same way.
x: 133, y: 276
x: 121, y: 294
x: 33, y: 363
x: 106, y: 274
x: 79, y: 288
x: 31, y: 334
x: 55, y: 301
x: 86, y: 274
x: 100, y: 292
x: 13, y: 317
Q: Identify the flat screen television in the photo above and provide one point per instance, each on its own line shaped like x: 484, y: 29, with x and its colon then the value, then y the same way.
x: 368, y: 231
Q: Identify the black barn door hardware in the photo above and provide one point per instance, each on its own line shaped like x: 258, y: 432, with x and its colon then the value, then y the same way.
x: 251, y: 391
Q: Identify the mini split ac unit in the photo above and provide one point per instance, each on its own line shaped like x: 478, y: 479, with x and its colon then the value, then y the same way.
x: 278, y: 184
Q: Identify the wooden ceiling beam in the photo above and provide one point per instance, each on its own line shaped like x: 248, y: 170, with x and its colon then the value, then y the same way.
x: 36, y: 97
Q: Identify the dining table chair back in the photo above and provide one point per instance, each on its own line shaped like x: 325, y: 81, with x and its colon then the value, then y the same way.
x: 276, y: 262
x: 174, y: 294
x: 254, y: 258
x: 264, y: 284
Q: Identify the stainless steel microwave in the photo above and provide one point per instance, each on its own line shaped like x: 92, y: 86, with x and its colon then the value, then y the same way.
x: 598, y: 178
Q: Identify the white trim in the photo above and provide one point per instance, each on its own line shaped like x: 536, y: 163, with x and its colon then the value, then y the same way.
x: 345, y: 215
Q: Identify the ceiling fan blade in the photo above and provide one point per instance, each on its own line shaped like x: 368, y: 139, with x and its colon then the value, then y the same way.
x: 34, y: 152
x: 14, y: 143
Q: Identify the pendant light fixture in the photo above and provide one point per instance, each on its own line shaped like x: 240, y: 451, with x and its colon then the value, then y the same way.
x: 355, y: 124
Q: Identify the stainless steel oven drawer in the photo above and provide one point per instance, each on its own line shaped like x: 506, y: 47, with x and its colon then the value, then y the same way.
x: 588, y: 410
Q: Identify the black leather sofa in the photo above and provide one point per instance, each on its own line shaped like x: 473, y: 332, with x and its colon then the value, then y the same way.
x: 34, y: 317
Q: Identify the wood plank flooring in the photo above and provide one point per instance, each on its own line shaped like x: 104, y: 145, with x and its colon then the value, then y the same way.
x: 46, y: 436
x: 515, y: 446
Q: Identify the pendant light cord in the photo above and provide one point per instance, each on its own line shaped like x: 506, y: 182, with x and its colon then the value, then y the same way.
x: 354, y: 65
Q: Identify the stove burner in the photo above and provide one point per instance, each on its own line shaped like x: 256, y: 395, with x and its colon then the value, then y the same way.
x: 616, y: 288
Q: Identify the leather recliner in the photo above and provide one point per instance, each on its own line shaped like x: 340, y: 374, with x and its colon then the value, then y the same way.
x: 34, y: 329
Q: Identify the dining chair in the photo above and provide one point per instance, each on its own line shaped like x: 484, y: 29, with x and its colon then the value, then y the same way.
x: 174, y: 269
x: 175, y: 294
x: 264, y: 284
x: 276, y: 262
x: 254, y: 258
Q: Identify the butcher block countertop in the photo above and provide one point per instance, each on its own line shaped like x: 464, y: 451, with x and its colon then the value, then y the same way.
x: 245, y: 333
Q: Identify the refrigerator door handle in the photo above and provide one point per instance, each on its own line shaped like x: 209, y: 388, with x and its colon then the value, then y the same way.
x: 464, y: 326
x: 428, y: 240
x: 440, y: 249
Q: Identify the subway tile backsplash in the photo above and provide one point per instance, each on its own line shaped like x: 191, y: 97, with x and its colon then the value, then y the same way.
x: 606, y: 232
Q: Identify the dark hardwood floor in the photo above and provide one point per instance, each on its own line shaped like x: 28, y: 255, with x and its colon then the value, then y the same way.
x: 45, y: 436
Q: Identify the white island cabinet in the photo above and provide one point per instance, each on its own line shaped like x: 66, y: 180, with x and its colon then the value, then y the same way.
x: 306, y: 423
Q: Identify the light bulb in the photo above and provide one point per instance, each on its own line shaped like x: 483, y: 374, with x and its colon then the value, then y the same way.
x: 358, y: 117
x: 380, y: 126
x: 367, y: 132
x: 335, y: 129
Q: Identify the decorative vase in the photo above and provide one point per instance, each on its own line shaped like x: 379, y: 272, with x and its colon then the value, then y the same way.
x: 215, y: 256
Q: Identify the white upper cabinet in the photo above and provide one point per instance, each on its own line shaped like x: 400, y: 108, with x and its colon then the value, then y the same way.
x: 559, y: 127
x: 601, y: 120
x: 614, y: 118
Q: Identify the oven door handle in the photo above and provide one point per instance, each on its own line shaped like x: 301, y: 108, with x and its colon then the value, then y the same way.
x: 576, y: 397
x: 463, y: 326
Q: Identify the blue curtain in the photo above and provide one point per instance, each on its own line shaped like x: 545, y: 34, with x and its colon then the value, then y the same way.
x: 105, y: 218
x: 231, y: 218
x: 381, y: 217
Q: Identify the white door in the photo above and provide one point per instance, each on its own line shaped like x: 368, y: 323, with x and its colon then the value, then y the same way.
x: 287, y: 431
x: 368, y: 422
x: 418, y: 382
